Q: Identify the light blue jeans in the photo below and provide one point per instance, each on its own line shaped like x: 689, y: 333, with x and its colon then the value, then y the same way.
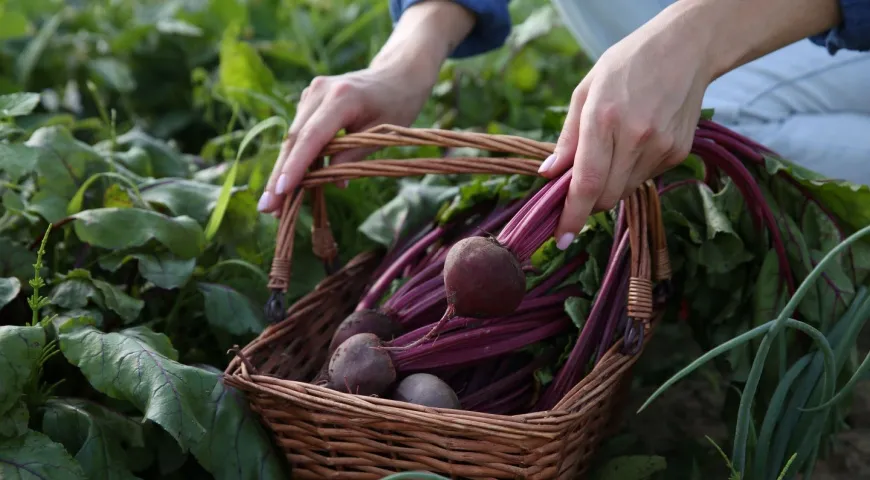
x: 807, y: 105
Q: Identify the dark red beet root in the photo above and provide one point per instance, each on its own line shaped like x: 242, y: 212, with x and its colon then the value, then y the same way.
x: 365, y: 321
x: 483, y: 279
x: 358, y: 366
x: 427, y: 390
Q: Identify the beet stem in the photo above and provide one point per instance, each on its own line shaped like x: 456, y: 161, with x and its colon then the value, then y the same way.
x: 383, y: 282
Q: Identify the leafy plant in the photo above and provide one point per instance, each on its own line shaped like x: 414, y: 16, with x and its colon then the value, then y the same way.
x: 142, y: 133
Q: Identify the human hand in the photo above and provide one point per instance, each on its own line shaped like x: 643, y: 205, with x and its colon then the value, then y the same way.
x: 354, y: 101
x: 392, y: 90
x: 631, y: 118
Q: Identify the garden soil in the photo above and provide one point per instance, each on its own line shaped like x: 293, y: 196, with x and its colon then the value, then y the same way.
x: 677, y: 423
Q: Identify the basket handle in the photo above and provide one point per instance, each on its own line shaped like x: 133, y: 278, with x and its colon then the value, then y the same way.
x: 324, y: 245
x: 385, y: 136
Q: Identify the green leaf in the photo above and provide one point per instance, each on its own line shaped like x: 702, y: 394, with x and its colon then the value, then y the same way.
x: 16, y: 260
x: 97, y: 435
x: 235, y: 445
x: 113, y: 72
x: 228, y: 309
x: 631, y: 467
x: 522, y: 72
x: 48, y: 205
x: 226, y: 190
x: 130, y: 366
x: 848, y: 201
x: 77, y: 287
x: 191, y: 404
x: 242, y: 71
x: 64, y: 161
x: 9, y: 288
x: 578, y: 309
x: 75, y: 203
x: 171, y: 26
x: 415, y: 204
x: 117, y: 196
x: 162, y: 269
x: 164, y: 160
x: 17, y: 160
x: 185, y: 197
x: 20, y: 351
x: 155, y: 340
x: 12, y: 202
x: 769, y: 290
x: 75, y: 318
x: 137, y: 160
x: 74, y: 293
x: 34, y: 456
x: 121, y: 228
x: 541, y: 22
x: 14, y: 422
x: 18, y: 104
x: 13, y: 24
x: 26, y: 61
x: 479, y: 191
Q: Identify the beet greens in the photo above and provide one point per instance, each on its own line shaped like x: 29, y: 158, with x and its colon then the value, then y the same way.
x: 457, y: 310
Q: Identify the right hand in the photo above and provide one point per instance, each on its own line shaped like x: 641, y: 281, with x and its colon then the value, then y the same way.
x: 353, y: 101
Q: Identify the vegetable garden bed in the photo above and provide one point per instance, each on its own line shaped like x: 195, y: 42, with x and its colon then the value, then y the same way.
x: 143, y: 132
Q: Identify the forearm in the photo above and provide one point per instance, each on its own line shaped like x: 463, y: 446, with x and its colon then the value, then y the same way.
x: 735, y: 32
x: 424, y: 37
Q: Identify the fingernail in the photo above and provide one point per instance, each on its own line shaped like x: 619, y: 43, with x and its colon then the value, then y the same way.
x: 547, y: 163
x: 265, y: 201
x: 283, y: 185
x: 564, y: 241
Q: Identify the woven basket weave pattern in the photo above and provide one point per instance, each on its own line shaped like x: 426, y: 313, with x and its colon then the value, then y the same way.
x: 328, y: 434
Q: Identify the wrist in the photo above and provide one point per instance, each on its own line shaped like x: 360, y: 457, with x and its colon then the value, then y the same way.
x: 423, y: 38
x: 731, y: 33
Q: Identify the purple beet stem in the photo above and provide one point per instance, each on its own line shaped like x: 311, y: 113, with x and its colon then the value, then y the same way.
x: 574, y: 367
x: 392, y: 272
x: 505, y: 383
x: 536, y: 221
x: 466, y: 347
x: 527, y: 309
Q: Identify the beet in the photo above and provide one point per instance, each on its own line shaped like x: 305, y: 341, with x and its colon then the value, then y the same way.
x: 427, y: 390
x: 365, y: 321
x: 361, y: 367
x: 483, y: 279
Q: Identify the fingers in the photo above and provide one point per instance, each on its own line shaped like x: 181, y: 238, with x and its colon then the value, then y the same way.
x: 591, y: 169
x: 310, y: 100
x: 661, y: 155
x: 313, y: 136
x: 566, y: 146
x: 325, y: 108
x: 268, y: 200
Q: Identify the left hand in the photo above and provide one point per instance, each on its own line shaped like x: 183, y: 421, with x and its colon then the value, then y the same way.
x: 631, y: 118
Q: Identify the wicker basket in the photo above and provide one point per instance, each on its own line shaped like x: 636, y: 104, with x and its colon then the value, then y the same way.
x: 328, y: 434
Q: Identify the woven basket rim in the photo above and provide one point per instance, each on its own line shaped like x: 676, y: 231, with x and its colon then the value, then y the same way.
x: 610, y: 365
x: 302, y: 406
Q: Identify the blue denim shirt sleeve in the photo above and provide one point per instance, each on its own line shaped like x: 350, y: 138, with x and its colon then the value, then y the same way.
x: 490, y: 31
x: 853, y: 33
